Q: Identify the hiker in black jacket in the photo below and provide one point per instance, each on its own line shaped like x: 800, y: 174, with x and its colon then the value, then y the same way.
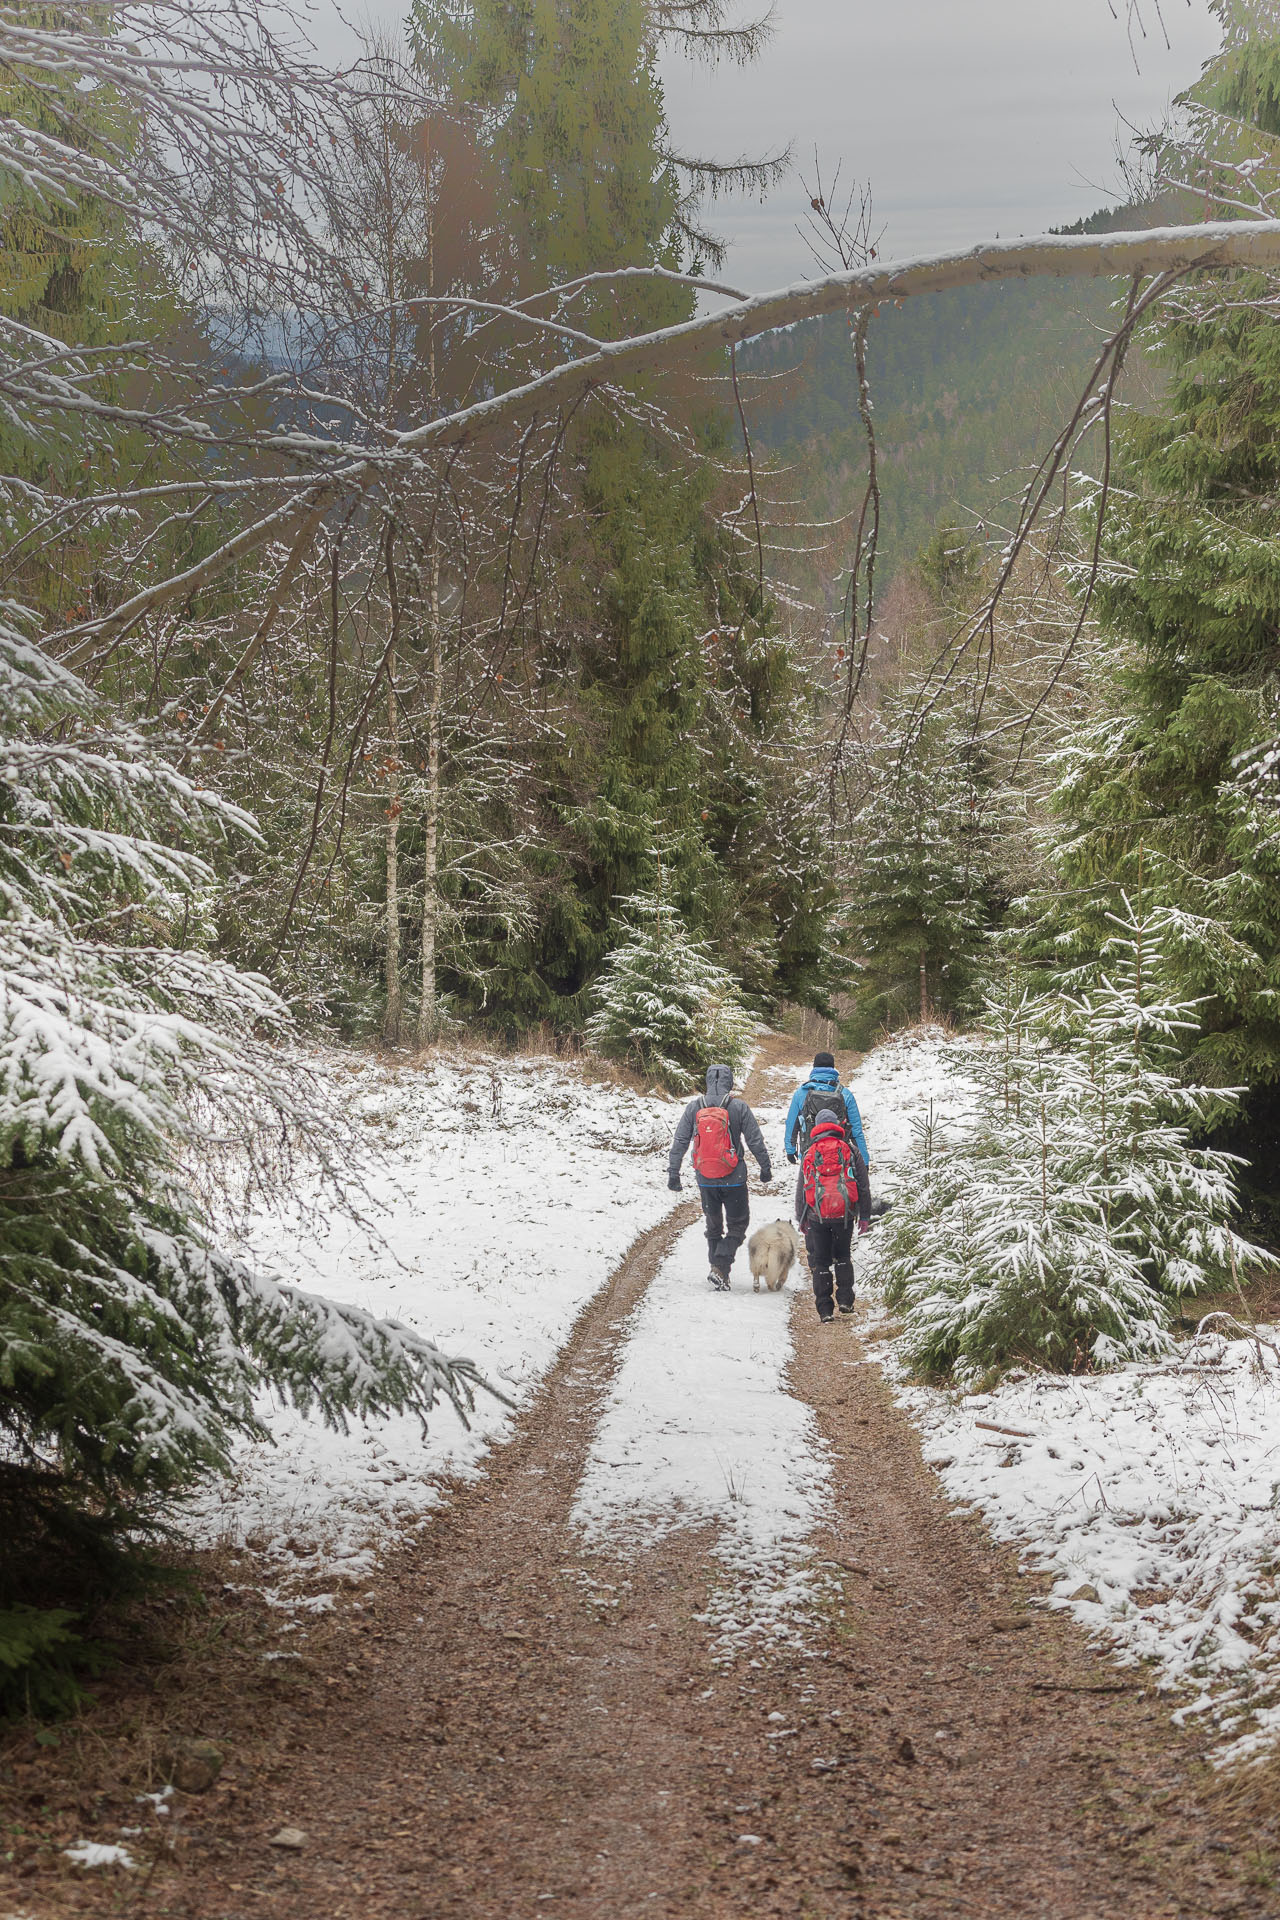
x: 717, y: 1124
x: 829, y: 1243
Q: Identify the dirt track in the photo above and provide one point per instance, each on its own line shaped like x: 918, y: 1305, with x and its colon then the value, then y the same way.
x: 516, y: 1727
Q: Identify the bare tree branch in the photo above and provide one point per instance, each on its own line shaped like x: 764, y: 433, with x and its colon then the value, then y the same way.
x: 1058, y: 256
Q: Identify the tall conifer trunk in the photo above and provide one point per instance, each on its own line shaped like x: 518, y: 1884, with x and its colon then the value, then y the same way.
x: 428, y: 1021
x: 391, y: 1023
x: 392, y: 1019
x: 427, y: 1016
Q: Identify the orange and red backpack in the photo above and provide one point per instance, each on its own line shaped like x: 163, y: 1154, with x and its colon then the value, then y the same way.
x: 830, y: 1185
x: 713, y: 1151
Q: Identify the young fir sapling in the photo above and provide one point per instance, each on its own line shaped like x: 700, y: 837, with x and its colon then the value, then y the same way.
x: 1065, y: 1219
x: 662, y: 1002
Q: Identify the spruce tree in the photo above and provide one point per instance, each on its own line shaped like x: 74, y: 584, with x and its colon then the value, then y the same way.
x: 662, y: 1003
x: 921, y: 873
x: 678, y: 693
x: 133, y: 1339
x: 1189, y: 604
x: 1069, y: 1212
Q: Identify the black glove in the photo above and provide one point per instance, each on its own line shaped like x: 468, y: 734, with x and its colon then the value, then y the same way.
x: 793, y: 1157
x: 673, y: 1181
x: 766, y: 1175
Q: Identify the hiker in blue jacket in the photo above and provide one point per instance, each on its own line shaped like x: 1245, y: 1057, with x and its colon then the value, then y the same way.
x: 716, y: 1124
x: 821, y: 1089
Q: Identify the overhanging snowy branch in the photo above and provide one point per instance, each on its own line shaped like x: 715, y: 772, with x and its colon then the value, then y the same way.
x: 1160, y: 251
x: 1058, y: 256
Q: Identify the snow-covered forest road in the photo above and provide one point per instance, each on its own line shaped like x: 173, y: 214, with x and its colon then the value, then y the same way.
x: 701, y: 1636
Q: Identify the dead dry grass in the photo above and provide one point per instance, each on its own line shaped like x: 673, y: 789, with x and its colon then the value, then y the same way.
x: 540, y: 1043
x: 1255, y: 1302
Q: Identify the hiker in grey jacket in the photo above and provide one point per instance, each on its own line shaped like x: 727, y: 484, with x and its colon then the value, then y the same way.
x: 720, y: 1167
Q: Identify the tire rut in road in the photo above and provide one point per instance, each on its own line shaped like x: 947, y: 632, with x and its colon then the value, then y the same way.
x: 994, y: 1763
x: 517, y: 1726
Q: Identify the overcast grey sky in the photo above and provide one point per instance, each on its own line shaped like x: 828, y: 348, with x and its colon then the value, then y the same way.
x: 968, y: 117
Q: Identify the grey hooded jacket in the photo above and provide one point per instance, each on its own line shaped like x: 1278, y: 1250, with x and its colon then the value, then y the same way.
x: 742, y: 1126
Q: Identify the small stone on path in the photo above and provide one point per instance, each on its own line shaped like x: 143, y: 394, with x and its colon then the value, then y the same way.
x: 291, y: 1839
x: 192, y: 1765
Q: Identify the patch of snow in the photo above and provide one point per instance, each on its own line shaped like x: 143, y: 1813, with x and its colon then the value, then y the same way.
x: 895, y: 1087
x: 1156, y: 1485
x: 93, y: 1853
x: 698, y: 1429
x: 504, y: 1194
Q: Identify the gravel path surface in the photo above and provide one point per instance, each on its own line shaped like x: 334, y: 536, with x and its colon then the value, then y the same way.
x: 515, y: 1725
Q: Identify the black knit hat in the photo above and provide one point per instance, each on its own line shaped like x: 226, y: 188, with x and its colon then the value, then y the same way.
x: 824, y: 1060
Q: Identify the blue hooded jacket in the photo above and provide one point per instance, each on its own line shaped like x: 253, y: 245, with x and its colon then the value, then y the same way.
x: 825, y: 1080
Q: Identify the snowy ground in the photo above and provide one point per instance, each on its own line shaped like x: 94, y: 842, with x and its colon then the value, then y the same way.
x: 699, y: 1429
x: 1151, y: 1494
x: 507, y: 1192
x: 512, y: 1189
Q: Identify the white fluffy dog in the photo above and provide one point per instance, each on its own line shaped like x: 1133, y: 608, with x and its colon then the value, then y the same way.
x: 772, y: 1252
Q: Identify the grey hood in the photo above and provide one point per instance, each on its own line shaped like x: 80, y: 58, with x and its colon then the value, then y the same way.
x: 719, y: 1085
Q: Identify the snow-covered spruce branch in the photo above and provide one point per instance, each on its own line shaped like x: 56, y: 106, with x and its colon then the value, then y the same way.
x: 131, y: 1344
x: 1068, y: 1214
x: 342, y: 1361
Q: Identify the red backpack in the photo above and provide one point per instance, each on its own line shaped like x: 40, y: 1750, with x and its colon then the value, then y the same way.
x: 713, y: 1154
x: 830, y: 1187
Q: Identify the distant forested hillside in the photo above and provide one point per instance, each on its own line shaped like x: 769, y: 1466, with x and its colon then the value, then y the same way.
x: 969, y: 389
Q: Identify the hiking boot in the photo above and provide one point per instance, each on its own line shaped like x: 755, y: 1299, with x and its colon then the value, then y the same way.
x: 848, y: 1309
x: 718, y: 1281
x: 826, y: 1318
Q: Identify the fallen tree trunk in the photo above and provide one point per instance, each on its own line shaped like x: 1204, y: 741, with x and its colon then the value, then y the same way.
x: 1160, y: 250
x: 1240, y: 243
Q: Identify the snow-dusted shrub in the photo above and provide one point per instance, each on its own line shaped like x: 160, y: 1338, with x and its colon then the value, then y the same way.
x: 1070, y: 1212
x: 662, y: 1002
x: 131, y: 1342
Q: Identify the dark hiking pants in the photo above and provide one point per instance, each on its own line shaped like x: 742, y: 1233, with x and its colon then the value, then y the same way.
x: 728, y: 1215
x: 828, y: 1243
